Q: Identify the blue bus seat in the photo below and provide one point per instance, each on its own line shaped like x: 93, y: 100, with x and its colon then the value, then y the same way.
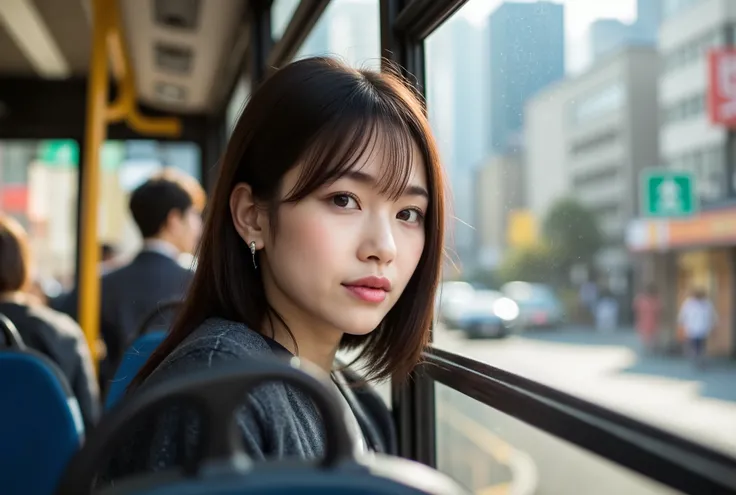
x: 40, y: 421
x: 224, y: 468
x: 134, y: 358
x: 382, y: 475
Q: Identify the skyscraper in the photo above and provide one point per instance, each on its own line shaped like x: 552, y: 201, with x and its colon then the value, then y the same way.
x: 527, y: 53
x: 610, y: 35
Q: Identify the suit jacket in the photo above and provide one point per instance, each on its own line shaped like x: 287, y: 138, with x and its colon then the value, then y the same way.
x: 129, y: 294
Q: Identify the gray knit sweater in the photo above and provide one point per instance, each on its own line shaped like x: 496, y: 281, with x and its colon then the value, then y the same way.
x: 276, y: 420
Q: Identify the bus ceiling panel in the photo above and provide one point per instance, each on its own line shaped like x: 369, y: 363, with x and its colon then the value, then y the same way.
x: 48, y: 39
x: 181, y: 51
x: 672, y: 460
x: 32, y: 108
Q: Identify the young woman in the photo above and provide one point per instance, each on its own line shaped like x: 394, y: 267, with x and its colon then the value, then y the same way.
x: 325, y: 232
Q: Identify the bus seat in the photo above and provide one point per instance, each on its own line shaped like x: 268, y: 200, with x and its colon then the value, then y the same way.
x: 40, y: 422
x: 223, y: 467
x: 134, y: 358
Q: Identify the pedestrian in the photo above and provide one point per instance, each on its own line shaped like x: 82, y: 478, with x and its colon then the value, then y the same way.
x: 647, y: 311
x: 697, y: 318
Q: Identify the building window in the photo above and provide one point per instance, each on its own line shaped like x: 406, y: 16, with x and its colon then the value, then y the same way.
x: 692, y: 50
x: 684, y: 109
x: 594, y: 142
x: 602, y: 102
x: 708, y: 167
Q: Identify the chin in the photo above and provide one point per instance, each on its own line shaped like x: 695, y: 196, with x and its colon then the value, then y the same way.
x: 358, y: 325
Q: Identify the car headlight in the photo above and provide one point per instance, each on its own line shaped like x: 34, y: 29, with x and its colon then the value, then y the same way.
x: 506, y: 309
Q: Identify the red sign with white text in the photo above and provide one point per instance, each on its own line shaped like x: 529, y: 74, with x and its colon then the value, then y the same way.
x: 722, y: 87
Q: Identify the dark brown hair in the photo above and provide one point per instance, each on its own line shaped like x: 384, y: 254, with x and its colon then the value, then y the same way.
x: 167, y: 191
x: 14, y: 257
x: 324, y: 115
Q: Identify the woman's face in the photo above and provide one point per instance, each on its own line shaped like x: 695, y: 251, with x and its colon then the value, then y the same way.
x: 341, y: 258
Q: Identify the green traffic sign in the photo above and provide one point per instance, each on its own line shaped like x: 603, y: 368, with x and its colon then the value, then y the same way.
x: 59, y: 152
x: 668, y: 194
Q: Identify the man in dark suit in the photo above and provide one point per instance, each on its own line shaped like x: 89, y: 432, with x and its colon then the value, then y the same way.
x: 168, y: 212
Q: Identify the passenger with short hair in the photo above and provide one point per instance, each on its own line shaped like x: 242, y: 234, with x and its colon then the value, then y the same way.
x: 167, y: 209
x: 42, y: 329
x: 324, y: 233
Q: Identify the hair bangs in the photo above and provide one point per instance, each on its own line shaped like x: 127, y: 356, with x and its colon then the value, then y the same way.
x: 346, y: 146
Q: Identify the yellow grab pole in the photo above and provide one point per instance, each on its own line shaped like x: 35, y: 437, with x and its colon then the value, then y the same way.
x: 96, y: 131
x: 106, y: 36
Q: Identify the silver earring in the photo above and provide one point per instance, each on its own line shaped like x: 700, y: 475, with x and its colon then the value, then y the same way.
x: 253, y: 253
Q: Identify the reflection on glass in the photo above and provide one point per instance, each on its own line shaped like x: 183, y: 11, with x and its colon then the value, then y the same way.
x: 237, y: 103
x: 584, y: 157
x: 281, y: 13
x: 490, y: 452
x: 38, y: 187
x: 348, y: 30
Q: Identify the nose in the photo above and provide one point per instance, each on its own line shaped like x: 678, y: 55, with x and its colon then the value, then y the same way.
x: 378, y: 244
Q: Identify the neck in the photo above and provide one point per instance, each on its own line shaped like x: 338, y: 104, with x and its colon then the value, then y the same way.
x: 316, y: 346
x: 163, y: 244
x: 14, y: 297
x: 315, y: 341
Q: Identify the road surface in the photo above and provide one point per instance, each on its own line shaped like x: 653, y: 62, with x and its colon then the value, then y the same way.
x: 492, y: 453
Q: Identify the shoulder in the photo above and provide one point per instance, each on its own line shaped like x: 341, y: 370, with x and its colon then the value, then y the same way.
x: 214, y: 341
x: 61, y: 323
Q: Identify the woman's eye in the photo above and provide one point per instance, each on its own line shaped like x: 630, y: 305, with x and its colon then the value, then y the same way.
x: 344, y: 201
x: 409, y: 215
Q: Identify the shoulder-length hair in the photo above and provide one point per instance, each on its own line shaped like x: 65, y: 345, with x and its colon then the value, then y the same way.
x: 324, y: 115
x: 14, y: 256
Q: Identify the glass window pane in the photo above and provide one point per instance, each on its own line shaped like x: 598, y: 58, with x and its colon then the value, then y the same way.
x: 281, y: 13
x: 544, y: 137
x: 237, y: 103
x: 348, y: 30
x: 125, y: 166
x: 39, y: 188
x: 492, y: 453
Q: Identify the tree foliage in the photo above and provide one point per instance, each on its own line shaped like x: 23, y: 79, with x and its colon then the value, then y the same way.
x: 570, y: 236
x: 529, y: 264
x: 572, y: 233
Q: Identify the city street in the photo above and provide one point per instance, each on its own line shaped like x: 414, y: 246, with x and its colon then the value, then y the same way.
x: 493, y: 453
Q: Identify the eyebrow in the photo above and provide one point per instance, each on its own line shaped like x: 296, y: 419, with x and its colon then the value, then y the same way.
x: 411, y: 190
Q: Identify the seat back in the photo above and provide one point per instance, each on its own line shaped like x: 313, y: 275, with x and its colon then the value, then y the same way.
x: 223, y: 468
x: 40, y: 422
x: 133, y: 359
x: 145, y: 341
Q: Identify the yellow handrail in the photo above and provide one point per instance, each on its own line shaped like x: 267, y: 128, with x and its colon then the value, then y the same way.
x: 107, y: 40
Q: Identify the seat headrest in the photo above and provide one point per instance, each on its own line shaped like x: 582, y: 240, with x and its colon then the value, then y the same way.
x: 11, y: 338
x: 40, y: 423
x: 215, y: 394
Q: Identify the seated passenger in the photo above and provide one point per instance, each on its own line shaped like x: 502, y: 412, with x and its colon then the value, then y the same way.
x: 168, y: 212
x: 47, y: 331
x: 325, y: 232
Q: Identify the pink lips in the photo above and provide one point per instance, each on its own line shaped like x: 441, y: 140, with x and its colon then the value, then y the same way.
x: 369, y: 289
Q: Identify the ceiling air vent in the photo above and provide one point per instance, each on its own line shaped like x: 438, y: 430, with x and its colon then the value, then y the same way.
x: 177, y: 14
x: 170, y: 93
x: 173, y: 58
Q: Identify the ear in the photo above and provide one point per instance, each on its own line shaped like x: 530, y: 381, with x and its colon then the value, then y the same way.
x: 249, y: 220
x: 174, y: 218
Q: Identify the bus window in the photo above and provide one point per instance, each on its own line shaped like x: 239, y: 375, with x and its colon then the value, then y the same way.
x: 281, y: 13
x: 39, y: 183
x: 490, y: 452
x: 348, y: 30
x: 546, y: 117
